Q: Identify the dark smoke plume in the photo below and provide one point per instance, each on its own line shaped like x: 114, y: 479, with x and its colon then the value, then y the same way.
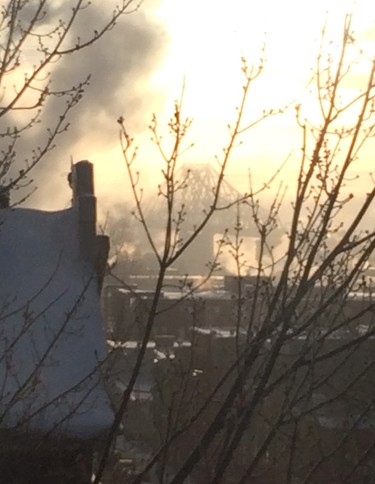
x: 119, y: 65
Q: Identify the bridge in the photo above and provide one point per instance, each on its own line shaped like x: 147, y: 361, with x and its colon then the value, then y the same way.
x: 196, y: 197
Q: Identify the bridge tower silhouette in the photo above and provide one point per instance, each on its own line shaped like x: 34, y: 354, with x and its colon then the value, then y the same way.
x: 197, y: 197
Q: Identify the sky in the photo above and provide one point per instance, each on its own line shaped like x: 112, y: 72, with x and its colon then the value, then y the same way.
x: 171, y: 46
x: 209, y: 62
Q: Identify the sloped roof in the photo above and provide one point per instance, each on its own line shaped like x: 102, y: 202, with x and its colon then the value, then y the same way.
x: 51, y: 338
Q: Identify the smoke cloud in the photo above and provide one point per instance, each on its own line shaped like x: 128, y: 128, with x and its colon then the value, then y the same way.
x: 120, y: 65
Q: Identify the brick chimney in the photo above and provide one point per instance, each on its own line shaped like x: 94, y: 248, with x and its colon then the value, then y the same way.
x: 93, y: 248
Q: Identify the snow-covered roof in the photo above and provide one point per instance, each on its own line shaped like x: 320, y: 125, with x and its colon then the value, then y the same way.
x: 51, y: 337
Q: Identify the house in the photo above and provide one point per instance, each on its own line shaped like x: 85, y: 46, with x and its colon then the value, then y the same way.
x: 54, y: 409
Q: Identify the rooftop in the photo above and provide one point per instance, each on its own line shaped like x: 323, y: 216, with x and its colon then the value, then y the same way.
x: 51, y: 338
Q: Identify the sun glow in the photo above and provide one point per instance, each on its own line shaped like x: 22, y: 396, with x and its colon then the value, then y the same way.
x: 209, y: 38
